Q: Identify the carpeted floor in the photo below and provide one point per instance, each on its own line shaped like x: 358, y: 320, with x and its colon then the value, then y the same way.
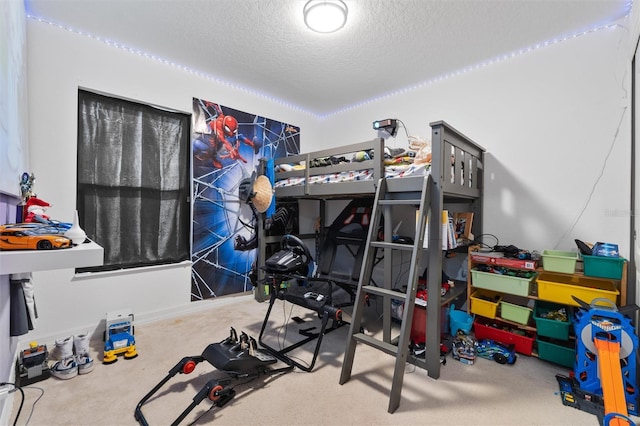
x: 485, y: 393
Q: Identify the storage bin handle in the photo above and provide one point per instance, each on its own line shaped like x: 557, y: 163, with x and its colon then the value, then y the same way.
x: 610, y: 304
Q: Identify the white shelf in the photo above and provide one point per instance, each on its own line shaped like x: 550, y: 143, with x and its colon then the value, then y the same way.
x: 19, y: 261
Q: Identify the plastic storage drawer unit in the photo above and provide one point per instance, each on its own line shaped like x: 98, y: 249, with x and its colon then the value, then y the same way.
x: 603, y: 267
x: 502, y: 283
x: 551, y: 326
x: 556, y: 351
x: 522, y: 341
x: 560, y: 288
x: 559, y: 261
x: 515, y: 313
x: 485, y: 303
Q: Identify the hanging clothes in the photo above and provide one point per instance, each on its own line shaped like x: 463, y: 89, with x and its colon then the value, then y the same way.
x: 23, y: 312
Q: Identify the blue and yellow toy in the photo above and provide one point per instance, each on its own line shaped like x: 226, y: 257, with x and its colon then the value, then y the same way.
x: 119, y: 338
x: 604, y: 379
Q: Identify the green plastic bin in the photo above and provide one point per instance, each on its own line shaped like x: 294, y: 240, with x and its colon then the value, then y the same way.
x: 558, y: 352
x: 515, y: 313
x: 547, y: 327
x: 501, y: 283
x: 559, y: 261
x: 603, y: 267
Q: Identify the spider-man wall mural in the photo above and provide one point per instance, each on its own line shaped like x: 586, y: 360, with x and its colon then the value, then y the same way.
x: 227, y: 146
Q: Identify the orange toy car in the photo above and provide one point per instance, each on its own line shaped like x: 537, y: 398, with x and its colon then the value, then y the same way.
x: 30, y: 237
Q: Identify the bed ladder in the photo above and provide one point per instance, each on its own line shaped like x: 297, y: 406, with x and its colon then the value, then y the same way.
x: 398, y: 347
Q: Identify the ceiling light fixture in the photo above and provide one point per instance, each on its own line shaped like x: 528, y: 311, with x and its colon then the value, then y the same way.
x: 325, y: 16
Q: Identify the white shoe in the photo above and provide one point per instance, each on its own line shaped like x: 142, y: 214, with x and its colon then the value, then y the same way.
x: 81, y: 349
x: 67, y: 367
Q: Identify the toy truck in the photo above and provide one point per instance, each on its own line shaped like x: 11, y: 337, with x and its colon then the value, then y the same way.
x: 119, y: 338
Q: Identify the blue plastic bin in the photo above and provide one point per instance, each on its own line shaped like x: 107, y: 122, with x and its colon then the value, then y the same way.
x: 459, y: 320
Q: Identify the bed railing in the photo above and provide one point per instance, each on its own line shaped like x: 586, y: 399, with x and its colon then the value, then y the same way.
x: 376, y: 165
x: 457, y: 167
x: 460, y: 166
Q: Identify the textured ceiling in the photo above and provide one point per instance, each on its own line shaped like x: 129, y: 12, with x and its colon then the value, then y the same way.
x: 386, y: 45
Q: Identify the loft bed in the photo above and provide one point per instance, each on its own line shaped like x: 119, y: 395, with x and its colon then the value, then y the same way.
x: 352, y: 178
x: 457, y: 174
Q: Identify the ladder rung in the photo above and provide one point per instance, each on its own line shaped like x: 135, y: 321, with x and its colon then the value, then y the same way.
x: 393, y: 246
x: 388, y: 202
x: 371, y: 289
x: 375, y: 343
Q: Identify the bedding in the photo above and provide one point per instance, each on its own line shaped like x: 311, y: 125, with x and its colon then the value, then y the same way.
x: 393, y: 171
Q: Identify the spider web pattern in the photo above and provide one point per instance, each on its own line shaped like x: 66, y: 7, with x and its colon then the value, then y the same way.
x: 219, y: 217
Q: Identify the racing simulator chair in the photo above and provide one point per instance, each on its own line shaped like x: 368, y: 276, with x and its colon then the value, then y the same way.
x: 238, y: 357
x: 330, y: 290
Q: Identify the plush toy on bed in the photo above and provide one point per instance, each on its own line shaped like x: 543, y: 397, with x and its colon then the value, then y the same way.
x: 361, y: 156
x: 422, y: 147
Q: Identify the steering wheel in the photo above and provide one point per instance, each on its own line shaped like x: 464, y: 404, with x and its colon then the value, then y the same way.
x: 296, y: 245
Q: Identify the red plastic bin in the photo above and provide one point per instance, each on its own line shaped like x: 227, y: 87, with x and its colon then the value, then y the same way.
x: 486, y: 329
x: 418, y: 330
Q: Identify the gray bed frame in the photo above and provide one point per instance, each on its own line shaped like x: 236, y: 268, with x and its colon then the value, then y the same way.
x: 458, y: 178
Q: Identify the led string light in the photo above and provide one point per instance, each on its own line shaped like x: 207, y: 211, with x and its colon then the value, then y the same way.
x: 173, y: 64
x: 369, y: 101
x: 470, y: 68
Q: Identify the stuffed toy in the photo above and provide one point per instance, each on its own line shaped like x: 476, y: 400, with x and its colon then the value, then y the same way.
x: 35, y: 210
x: 422, y: 148
x: 35, y: 213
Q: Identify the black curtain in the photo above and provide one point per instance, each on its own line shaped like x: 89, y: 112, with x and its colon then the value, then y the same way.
x: 133, y: 181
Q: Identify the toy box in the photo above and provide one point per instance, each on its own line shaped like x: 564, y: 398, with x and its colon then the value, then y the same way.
x: 515, y: 313
x: 511, y: 284
x: 559, y: 261
x: 556, y: 326
x: 485, y: 303
x: 557, y: 351
x: 560, y: 288
x: 603, y: 267
x: 521, y: 339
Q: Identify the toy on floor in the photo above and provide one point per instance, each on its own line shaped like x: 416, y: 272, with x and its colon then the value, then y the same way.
x: 464, y: 348
x: 605, y: 376
x: 240, y: 358
x: 496, y: 351
x: 32, y: 364
x: 119, y: 338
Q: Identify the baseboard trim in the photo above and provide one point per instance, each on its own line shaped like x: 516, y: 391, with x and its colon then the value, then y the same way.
x: 96, y: 330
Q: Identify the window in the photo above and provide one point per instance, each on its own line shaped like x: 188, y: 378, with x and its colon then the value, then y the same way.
x: 133, y: 181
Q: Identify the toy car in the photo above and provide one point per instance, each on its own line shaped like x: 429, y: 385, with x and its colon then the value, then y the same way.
x: 30, y: 237
x: 464, y: 348
x: 119, y: 338
x: 490, y: 349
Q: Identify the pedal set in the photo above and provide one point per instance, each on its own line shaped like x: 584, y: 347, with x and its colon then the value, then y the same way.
x: 238, y: 356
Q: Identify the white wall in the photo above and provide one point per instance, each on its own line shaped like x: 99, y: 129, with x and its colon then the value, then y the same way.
x: 547, y: 120
x: 59, y: 62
